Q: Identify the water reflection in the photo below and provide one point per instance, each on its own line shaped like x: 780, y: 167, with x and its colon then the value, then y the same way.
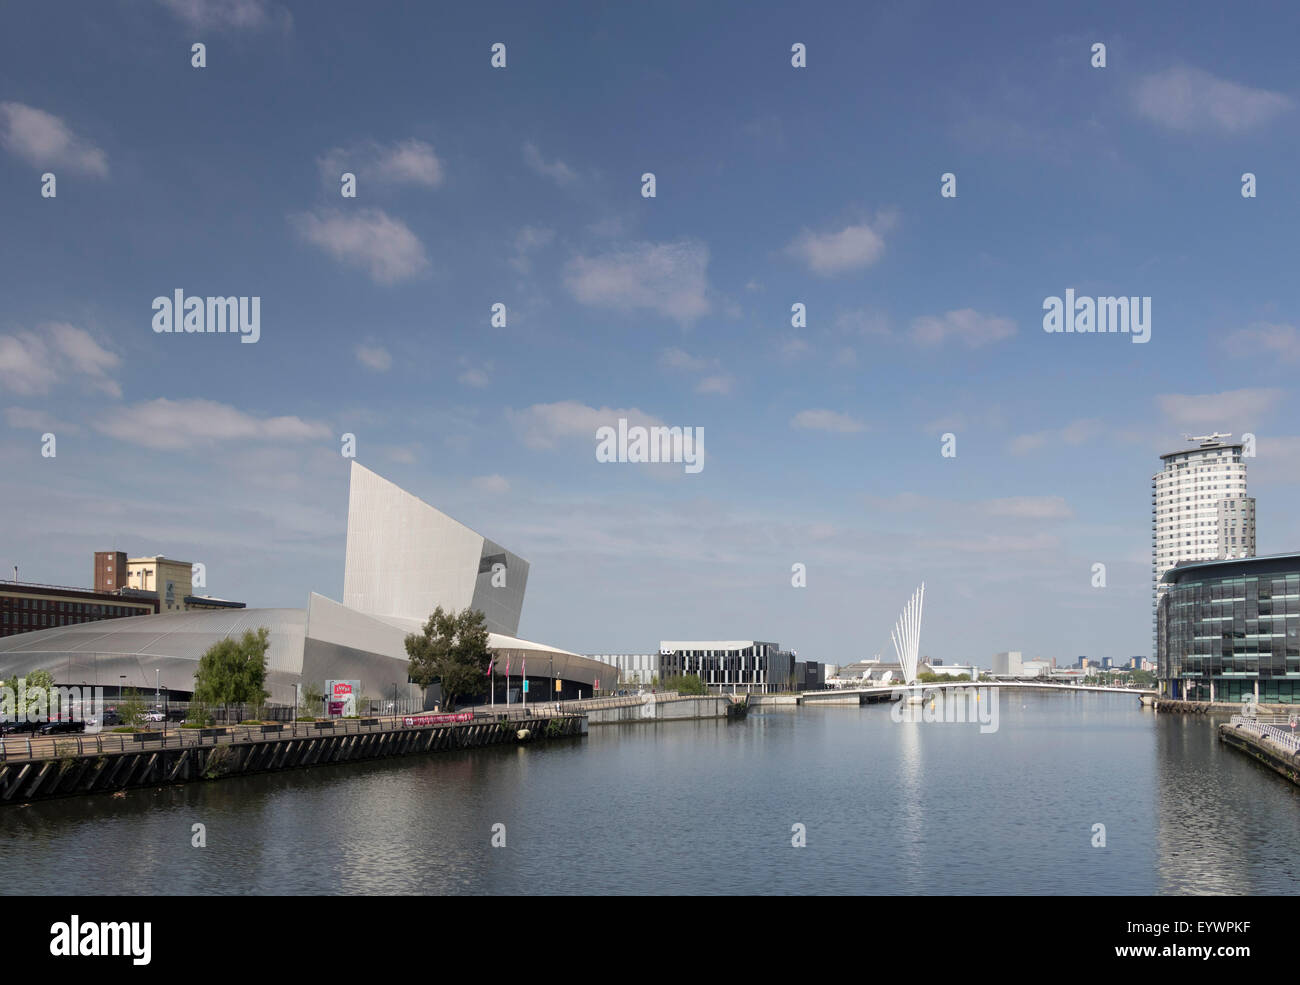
x: 708, y: 807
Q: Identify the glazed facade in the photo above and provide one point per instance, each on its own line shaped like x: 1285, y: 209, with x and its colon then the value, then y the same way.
x: 1230, y: 630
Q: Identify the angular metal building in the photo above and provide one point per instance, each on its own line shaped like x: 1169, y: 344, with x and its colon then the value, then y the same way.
x: 404, y: 559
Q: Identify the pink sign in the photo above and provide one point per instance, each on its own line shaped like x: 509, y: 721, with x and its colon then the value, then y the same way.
x: 460, y: 716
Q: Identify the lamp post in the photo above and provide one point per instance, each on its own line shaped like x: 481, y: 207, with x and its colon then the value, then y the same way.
x: 394, y: 699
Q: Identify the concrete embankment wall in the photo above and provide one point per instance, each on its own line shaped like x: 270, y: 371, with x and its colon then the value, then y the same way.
x: 683, y: 708
x: 1263, y: 749
x: 762, y: 700
x: 1221, y: 708
x: 66, y: 773
x: 830, y: 698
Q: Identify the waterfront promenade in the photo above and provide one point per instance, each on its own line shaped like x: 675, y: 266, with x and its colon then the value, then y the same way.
x: 70, y: 765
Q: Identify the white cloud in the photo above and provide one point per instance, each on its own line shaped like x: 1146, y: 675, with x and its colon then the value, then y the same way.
x: 42, y: 139
x: 864, y: 321
x: 408, y: 162
x: 1282, y: 341
x: 32, y: 362
x: 375, y: 357
x: 543, y: 425
x: 828, y: 254
x: 1029, y: 507
x: 1230, y: 408
x: 557, y: 170
x: 254, y: 15
x: 669, y: 278
x: 719, y: 383
x: 966, y: 512
x: 175, y: 424
x: 1075, y: 433
x: 474, y: 377
x: 827, y: 420
x: 531, y: 238
x: 26, y: 419
x: 399, y: 454
x: 369, y: 238
x: 674, y: 358
x: 793, y: 347
x: 1191, y: 100
x: 528, y: 241
x: 495, y: 484
x: 966, y: 326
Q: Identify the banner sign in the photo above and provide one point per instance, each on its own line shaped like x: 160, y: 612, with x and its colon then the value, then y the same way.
x: 460, y: 716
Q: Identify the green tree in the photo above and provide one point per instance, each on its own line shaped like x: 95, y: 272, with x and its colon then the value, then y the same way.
x: 685, y: 684
x: 198, y: 714
x: 41, y: 679
x: 452, y: 651
x: 130, y: 707
x: 233, y: 672
x: 312, y: 696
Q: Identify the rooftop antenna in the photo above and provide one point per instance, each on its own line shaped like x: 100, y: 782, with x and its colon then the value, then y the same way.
x: 1208, y: 439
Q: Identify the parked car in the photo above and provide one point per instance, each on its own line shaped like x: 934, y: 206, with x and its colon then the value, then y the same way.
x: 61, y: 728
x: 18, y: 728
x: 155, y: 716
x: 111, y: 718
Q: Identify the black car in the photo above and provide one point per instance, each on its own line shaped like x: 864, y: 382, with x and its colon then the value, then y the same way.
x: 18, y: 728
x: 111, y: 717
x: 61, y: 728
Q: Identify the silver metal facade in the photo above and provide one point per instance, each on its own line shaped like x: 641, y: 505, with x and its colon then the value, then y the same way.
x: 405, y: 558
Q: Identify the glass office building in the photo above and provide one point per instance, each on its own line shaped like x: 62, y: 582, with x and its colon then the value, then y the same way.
x: 1228, y: 630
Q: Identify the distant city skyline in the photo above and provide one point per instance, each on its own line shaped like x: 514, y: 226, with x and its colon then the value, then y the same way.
x: 775, y: 186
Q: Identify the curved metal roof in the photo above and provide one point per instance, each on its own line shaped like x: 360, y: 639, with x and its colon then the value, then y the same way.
x: 145, y: 648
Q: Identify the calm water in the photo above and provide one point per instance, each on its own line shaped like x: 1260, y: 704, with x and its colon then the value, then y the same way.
x: 708, y: 808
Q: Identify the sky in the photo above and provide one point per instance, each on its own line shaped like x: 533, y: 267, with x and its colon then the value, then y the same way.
x: 774, y: 185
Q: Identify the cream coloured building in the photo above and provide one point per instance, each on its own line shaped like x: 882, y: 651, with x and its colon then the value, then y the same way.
x: 172, y: 580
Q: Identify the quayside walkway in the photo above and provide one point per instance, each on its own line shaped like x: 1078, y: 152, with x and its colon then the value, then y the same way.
x: 1270, y: 739
x: 70, y: 765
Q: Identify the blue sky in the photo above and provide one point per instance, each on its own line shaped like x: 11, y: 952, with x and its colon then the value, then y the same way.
x: 775, y: 185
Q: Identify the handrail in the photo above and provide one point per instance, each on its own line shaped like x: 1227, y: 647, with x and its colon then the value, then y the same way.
x: 1286, y: 738
x: 229, y: 735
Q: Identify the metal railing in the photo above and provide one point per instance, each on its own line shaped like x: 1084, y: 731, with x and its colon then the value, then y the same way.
x: 1285, y: 737
x: 27, y: 747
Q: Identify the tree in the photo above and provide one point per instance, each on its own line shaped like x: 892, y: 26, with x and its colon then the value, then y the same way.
x: 685, y: 684
x: 35, y: 682
x: 130, y: 707
x: 312, y: 696
x: 452, y: 650
x: 233, y: 672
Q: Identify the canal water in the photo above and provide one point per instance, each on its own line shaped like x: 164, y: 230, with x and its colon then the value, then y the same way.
x: 712, y: 807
